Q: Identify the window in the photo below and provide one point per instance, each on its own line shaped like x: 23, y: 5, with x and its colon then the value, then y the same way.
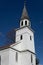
x: 30, y: 37
x: 31, y: 59
x: 21, y: 37
x: 25, y: 22
x: 16, y: 56
x: 22, y: 23
x: 0, y: 60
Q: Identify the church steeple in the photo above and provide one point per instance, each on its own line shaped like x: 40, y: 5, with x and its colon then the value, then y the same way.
x: 25, y: 21
x: 24, y: 13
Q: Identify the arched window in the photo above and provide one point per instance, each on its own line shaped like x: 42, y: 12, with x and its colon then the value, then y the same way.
x: 16, y: 56
x: 21, y: 37
x: 25, y: 22
x: 31, y: 58
x: 22, y: 23
x: 30, y: 37
x: 0, y: 60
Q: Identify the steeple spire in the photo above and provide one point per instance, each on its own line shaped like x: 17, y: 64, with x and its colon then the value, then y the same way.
x: 24, y: 2
x: 25, y: 20
x: 24, y: 13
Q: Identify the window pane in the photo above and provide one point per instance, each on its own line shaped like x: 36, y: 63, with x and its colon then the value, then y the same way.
x: 31, y: 59
x: 30, y: 37
x: 16, y: 56
x: 22, y: 23
x: 21, y: 37
x: 25, y: 22
x: 0, y: 60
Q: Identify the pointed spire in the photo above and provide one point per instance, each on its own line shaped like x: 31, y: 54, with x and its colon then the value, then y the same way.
x: 24, y: 13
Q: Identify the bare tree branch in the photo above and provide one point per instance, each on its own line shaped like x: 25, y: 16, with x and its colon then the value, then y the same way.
x: 10, y: 36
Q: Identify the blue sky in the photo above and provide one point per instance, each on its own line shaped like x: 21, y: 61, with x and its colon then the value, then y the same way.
x: 10, y: 13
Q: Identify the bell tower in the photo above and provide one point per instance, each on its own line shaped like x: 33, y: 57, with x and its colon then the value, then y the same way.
x: 25, y: 40
x: 25, y: 20
x: 25, y: 34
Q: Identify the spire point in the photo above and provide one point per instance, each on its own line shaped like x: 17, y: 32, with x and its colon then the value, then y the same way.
x: 24, y: 2
x: 24, y: 13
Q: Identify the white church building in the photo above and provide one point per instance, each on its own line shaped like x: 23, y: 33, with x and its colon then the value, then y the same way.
x: 22, y: 52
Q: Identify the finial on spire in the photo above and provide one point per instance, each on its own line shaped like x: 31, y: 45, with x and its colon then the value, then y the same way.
x: 24, y: 2
x: 24, y: 13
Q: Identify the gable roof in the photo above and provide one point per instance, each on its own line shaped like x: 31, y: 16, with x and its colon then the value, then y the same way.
x: 5, y: 47
x: 8, y: 46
